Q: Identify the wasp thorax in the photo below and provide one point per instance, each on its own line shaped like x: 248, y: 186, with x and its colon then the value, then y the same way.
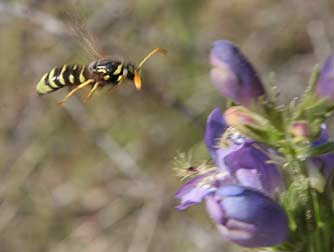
x: 106, y: 70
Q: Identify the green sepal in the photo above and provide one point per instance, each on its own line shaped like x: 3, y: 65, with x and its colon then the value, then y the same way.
x: 253, y: 125
x: 320, y: 150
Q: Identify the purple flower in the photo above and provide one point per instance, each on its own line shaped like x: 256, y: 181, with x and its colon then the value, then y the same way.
x: 243, y: 159
x: 248, y: 217
x: 195, y: 190
x: 325, y: 85
x: 233, y: 75
x: 237, y: 191
x: 324, y: 162
x: 215, y: 129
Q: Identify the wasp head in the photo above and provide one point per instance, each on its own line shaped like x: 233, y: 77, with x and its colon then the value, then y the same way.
x: 129, y: 71
x: 132, y: 73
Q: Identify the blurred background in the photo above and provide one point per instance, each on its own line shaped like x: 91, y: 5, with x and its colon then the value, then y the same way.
x: 98, y: 176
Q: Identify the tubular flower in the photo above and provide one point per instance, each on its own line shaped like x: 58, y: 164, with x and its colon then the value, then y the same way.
x: 242, y: 175
x: 233, y: 75
x: 325, y: 85
x: 248, y: 217
x: 243, y: 158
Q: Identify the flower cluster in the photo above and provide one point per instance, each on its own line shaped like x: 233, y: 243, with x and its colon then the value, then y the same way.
x: 271, y: 183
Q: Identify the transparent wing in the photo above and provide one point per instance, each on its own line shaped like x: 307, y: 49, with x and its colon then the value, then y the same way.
x: 78, y: 27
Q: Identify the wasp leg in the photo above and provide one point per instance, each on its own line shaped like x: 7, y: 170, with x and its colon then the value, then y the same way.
x: 91, y: 92
x: 114, y: 88
x: 82, y: 85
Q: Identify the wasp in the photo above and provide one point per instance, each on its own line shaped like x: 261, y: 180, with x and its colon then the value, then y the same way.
x: 99, y: 73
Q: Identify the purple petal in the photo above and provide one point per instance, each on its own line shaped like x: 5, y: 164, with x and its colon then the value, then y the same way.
x: 249, y: 217
x: 191, y: 194
x: 249, y: 178
x: 324, y: 162
x: 251, y: 158
x: 214, y: 209
x: 325, y: 86
x: 215, y: 128
x: 194, y: 191
x: 233, y: 75
x: 323, y: 138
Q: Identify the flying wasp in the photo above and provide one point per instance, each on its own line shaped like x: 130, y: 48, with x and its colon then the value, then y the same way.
x: 99, y: 73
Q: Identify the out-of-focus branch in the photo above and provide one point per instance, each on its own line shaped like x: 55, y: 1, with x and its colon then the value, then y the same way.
x: 146, y: 225
x: 123, y: 160
x: 47, y: 22
x: 176, y: 104
x: 149, y: 213
x: 320, y: 42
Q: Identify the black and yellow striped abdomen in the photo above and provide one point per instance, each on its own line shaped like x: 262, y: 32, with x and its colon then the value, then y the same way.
x: 58, y: 77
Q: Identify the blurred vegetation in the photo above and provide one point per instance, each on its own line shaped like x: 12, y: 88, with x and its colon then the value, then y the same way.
x: 97, y: 176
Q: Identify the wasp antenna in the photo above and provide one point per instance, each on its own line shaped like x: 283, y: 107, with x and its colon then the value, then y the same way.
x: 154, y: 51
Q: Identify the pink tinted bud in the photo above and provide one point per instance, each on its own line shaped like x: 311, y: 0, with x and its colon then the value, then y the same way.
x: 301, y: 129
x: 240, y: 116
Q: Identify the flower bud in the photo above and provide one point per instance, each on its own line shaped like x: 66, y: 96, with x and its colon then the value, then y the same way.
x: 251, y: 124
x: 239, y: 117
x: 233, y: 75
x: 325, y: 85
x: 248, y: 217
x: 301, y: 129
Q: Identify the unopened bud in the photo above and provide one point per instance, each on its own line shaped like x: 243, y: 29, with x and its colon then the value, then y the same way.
x: 301, y: 129
x: 232, y: 74
x: 251, y: 124
x: 239, y: 116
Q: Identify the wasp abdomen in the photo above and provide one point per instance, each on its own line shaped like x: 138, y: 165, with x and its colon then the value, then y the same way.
x: 58, y: 77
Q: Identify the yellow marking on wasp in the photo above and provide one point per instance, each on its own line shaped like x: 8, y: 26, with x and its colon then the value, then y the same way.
x: 71, y: 78
x: 120, y: 78
x: 106, y: 77
x: 41, y: 87
x: 82, y: 77
x: 52, y: 77
x: 118, y: 69
x: 102, y: 70
x: 61, y: 75
x: 74, y: 67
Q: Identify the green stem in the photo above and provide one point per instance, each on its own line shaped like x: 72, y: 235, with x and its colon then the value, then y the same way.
x: 316, y: 234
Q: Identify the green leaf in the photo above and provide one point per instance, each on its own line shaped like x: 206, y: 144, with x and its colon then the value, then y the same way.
x: 321, y: 150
